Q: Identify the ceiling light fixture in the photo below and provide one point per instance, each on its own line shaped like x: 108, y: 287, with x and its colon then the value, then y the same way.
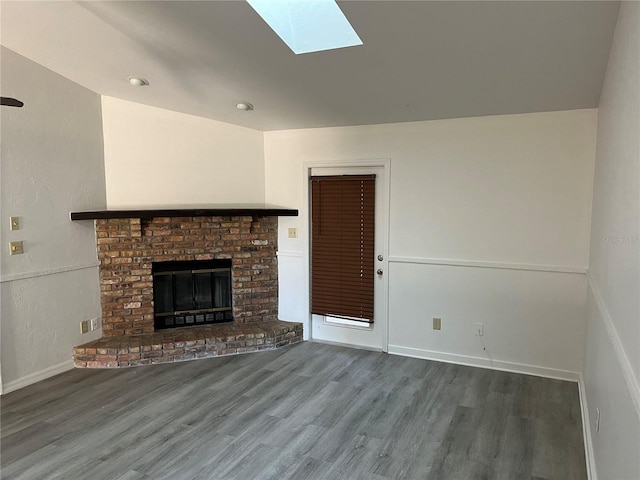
x: 246, y: 106
x: 138, y: 81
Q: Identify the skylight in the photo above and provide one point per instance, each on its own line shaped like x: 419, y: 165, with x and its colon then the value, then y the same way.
x: 307, y: 25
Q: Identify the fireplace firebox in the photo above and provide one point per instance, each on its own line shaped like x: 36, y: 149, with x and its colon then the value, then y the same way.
x: 191, y: 292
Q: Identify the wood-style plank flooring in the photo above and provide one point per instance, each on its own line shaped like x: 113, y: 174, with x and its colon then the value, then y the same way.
x: 310, y: 411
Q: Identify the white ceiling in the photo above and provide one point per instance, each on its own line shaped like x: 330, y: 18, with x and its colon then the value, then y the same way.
x: 420, y: 60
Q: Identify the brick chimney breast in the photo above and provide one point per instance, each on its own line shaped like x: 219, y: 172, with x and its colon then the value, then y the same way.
x: 128, y: 247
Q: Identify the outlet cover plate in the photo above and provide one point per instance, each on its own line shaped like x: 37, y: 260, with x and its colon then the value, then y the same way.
x: 437, y: 323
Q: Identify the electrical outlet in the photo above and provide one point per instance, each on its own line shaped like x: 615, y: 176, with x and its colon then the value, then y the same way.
x: 437, y: 323
x: 84, y: 326
x: 597, y: 420
x: 93, y: 324
x: 293, y: 232
x: 479, y: 329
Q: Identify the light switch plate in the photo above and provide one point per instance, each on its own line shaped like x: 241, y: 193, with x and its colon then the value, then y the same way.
x: 16, y: 248
x: 14, y: 223
x: 293, y: 232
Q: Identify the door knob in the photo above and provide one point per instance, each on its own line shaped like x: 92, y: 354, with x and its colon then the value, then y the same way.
x: 379, y: 272
x: 380, y: 258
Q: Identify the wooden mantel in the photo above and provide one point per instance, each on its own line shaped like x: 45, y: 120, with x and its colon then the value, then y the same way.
x: 254, y: 210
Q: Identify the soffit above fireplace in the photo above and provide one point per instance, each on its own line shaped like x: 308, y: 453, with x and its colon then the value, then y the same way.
x: 221, y: 210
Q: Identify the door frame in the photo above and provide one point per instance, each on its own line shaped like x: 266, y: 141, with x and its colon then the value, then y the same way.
x: 381, y: 223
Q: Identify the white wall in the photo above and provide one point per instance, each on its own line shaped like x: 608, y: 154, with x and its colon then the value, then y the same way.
x: 533, y: 321
x: 612, y: 366
x: 52, y: 163
x: 159, y: 157
x: 507, y: 191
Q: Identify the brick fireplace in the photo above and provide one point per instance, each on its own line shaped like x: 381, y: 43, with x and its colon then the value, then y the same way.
x: 127, y: 249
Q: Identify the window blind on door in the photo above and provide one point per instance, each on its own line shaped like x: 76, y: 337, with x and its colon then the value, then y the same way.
x: 342, y: 246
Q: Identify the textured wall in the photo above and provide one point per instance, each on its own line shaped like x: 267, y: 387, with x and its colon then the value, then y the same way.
x: 510, y: 188
x: 612, y: 354
x: 159, y: 157
x: 52, y: 163
x: 488, y: 222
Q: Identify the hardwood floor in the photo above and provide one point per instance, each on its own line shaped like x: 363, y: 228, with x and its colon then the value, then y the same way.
x: 309, y: 411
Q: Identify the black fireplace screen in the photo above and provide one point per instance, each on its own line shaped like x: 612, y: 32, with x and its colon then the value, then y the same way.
x: 191, y: 292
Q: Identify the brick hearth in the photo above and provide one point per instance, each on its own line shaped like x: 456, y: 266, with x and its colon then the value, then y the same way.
x: 127, y: 247
x: 187, y: 343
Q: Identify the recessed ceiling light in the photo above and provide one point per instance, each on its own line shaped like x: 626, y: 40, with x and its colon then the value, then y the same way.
x: 246, y: 106
x: 138, y: 81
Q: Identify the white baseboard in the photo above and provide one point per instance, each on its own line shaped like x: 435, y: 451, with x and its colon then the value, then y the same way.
x: 586, y: 431
x: 37, y: 376
x: 485, y: 363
